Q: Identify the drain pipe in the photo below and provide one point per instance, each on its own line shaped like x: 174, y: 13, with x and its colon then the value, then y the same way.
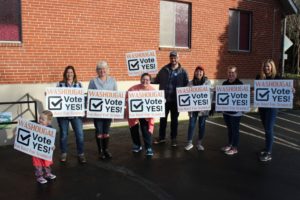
x: 282, y: 55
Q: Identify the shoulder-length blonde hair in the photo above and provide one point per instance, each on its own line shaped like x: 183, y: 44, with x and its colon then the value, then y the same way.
x: 273, y: 68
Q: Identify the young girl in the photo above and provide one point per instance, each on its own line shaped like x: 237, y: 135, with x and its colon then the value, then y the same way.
x: 42, y: 167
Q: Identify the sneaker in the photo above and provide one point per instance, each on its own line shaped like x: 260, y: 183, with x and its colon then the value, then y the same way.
x: 149, y: 152
x: 226, y: 148
x: 41, y: 180
x: 262, y: 152
x: 266, y: 156
x: 63, y: 157
x: 200, y: 147
x: 159, y: 141
x: 82, y: 159
x: 189, y: 146
x: 173, y: 143
x: 231, y: 152
x: 136, y: 148
x: 50, y: 176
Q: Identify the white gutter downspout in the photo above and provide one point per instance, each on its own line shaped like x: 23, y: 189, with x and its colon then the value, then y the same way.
x: 282, y: 55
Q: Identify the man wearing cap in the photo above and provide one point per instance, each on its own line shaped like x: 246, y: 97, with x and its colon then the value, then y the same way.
x: 170, y: 77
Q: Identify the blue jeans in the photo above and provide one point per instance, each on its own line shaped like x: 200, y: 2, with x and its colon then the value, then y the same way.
x: 102, y: 126
x: 201, y: 126
x: 169, y: 106
x: 268, y: 118
x: 135, y: 135
x: 76, y: 123
x: 233, y: 128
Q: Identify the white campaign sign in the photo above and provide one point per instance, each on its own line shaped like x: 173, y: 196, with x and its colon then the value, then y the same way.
x: 146, y: 104
x: 106, y: 104
x: 235, y: 98
x: 273, y: 93
x: 65, y: 102
x: 35, y: 139
x: 141, y: 62
x: 194, y: 98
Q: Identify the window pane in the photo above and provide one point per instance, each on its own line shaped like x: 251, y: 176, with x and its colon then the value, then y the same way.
x: 9, y: 20
x: 233, y: 32
x: 244, y: 31
x: 182, y: 25
x: 167, y: 23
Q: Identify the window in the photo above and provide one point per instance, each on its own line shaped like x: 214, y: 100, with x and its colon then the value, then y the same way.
x: 10, y: 20
x: 175, y: 25
x: 239, y: 30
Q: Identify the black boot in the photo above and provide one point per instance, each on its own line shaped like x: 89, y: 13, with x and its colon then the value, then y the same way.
x: 104, y: 145
x: 100, y: 152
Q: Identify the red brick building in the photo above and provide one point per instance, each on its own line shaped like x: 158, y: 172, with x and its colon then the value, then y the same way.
x: 45, y: 36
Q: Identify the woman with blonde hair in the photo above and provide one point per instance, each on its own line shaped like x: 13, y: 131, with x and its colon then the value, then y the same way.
x: 102, y: 82
x: 268, y: 115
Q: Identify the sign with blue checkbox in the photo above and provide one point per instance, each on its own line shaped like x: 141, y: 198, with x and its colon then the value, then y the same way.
x: 34, y: 139
x: 146, y: 104
x: 141, y: 62
x: 65, y: 102
x: 273, y: 93
x: 106, y: 104
x: 233, y: 98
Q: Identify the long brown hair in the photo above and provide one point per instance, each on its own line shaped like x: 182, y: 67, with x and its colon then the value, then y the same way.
x: 65, y: 74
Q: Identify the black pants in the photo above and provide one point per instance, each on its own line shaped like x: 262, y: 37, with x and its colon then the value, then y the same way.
x: 169, y: 106
x: 135, y: 135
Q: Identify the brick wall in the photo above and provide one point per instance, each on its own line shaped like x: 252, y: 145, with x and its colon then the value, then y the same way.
x: 57, y: 33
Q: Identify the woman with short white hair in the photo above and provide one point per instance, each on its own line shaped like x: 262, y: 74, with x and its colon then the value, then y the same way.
x: 102, y: 82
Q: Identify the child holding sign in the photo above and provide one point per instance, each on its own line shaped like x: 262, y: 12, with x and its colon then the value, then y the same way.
x: 42, y: 167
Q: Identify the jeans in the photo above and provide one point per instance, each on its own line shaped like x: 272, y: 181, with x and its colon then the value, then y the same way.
x: 201, y: 126
x: 102, y: 126
x: 76, y: 123
x: 233, y: 128
x: 146, y: 134
x: 169, y: 106
x: 268, y: 118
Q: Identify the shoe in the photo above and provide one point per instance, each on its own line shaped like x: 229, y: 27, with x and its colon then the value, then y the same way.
x: 63, y: 157
x: 149, y: 152
x: 231, y: 152
x: 50, y: 176
x: 81, y: 158
x: 226, y: 148
x: 200, y: 147
x: 107, y: 154
x: 41, y: 180
x: 159, y: 141
x: 174, y: 143
x: 189, y: 146
x: 266, y: 156
x: 102, y: 156
x: 136, y: 148
x: 262, y: 152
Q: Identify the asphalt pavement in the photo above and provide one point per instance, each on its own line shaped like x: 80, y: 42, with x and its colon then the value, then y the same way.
x: 172, y: 173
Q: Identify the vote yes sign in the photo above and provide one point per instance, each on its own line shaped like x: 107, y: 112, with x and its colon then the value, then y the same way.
x: 233, y: 98
x: 194, y: 98
x: 141, y: 62
x: 273, y: 93
x: 146, y: 104
x: 35, y: 139
x: 65, y: 102
x: 106, y: 104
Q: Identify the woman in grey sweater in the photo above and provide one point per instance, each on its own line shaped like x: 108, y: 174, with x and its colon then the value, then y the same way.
x: 102, y: 82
